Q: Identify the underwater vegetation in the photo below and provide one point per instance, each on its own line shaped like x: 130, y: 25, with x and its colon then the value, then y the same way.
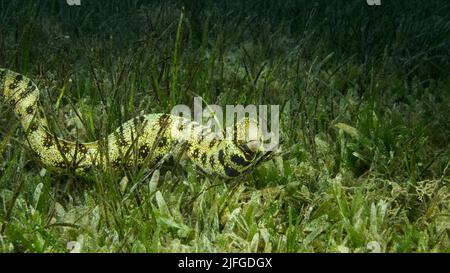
x: 364, y: 97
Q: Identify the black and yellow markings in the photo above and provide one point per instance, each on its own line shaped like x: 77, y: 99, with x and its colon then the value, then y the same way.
x: 30, y: 109
x: 188, y: 146
x: 162, y: 142
x: 60, y: 164
x: 195, y: 153
x: 116, y: 163
x: 248, y: 154
x: 13, y: 86
x: 181, y: 127
x: 163, y: 121
x: 239, y: 160
x: 19, y: 77
x: 65, y: 147
x: 204, y: 158
x: 31, y: 86
x: 81, y: 148
x: 158, y: 158
x: 231, y: 172
x: 144, y: 150
x: 33, y: 127
x: 48, y: 141
x: 212, y: 143
x: 221, y: 157
x: 212, y: 161
x: 225, y: 157
x: 12, y: 101
x: 120, y: 139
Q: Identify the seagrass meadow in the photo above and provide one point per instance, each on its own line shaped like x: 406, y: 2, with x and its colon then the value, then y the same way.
x: 364, y: 97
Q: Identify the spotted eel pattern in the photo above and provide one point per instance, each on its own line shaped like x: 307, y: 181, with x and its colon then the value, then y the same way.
x: 145, y: 139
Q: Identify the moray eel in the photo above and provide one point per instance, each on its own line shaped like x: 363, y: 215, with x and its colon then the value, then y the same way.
x: 145, y: 139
